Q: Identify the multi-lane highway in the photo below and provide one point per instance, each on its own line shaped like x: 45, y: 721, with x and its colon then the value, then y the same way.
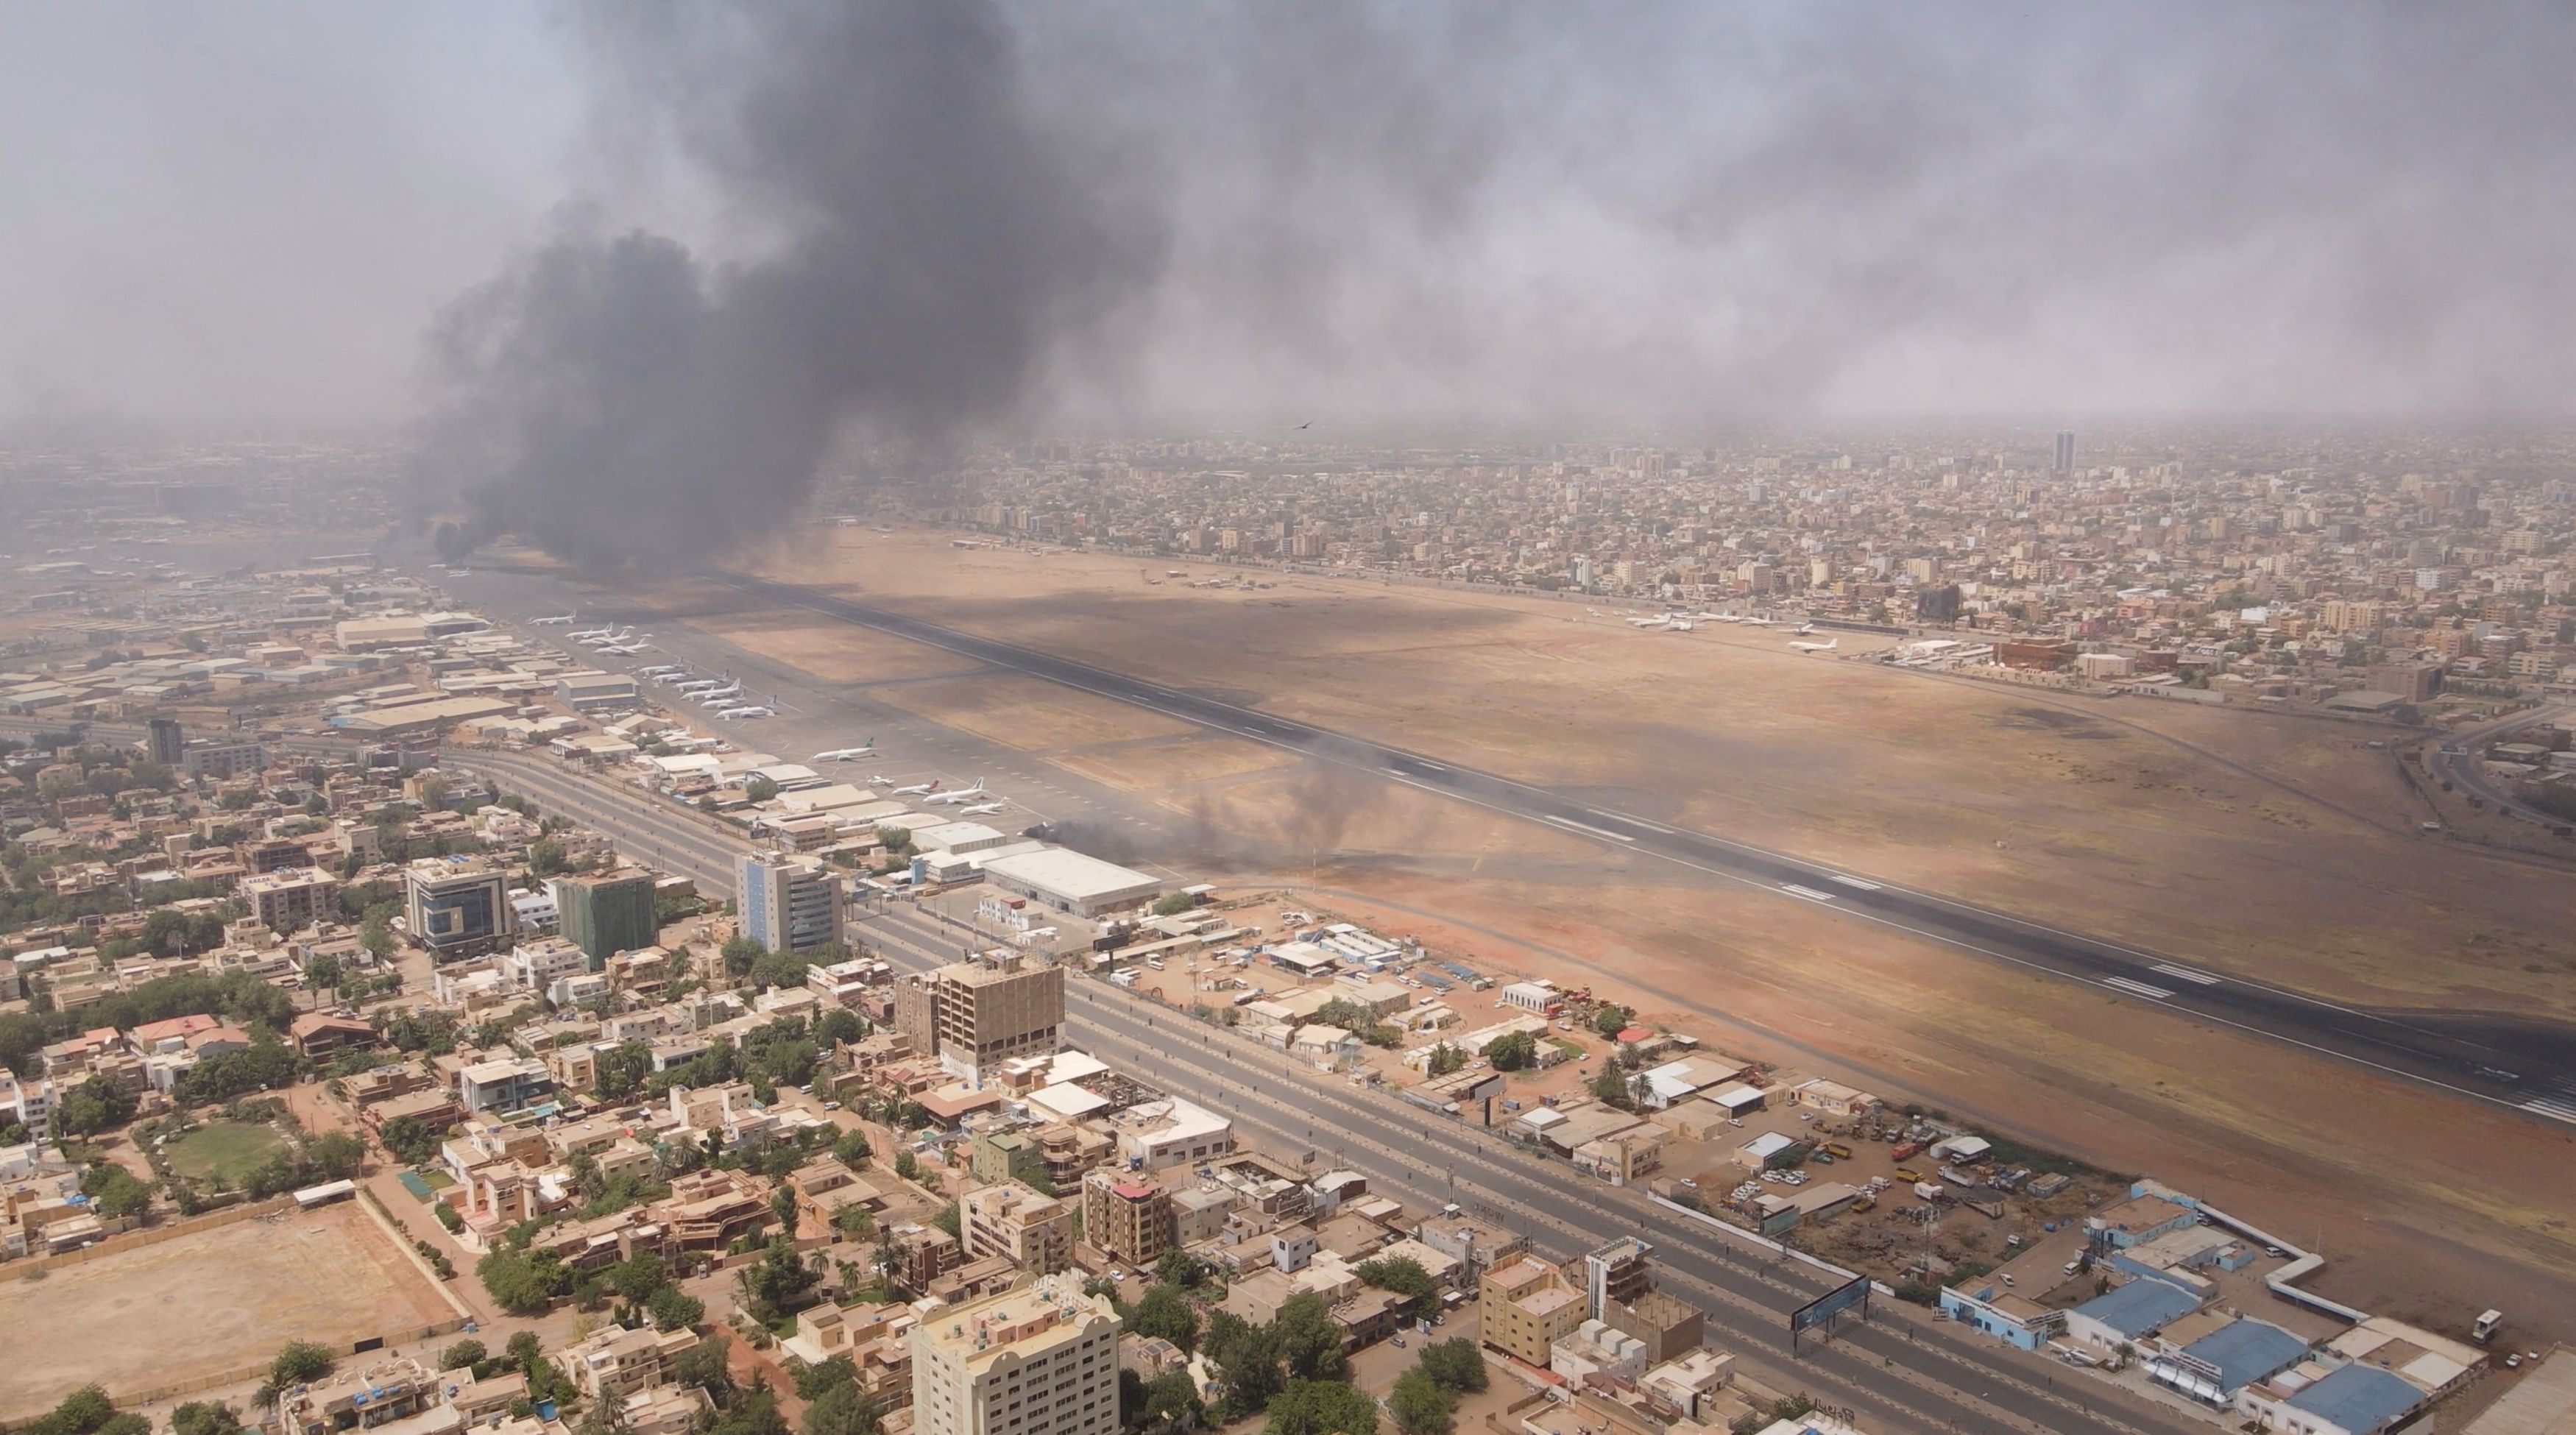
x: 1901, y: 1374
x: 2528, y: 1067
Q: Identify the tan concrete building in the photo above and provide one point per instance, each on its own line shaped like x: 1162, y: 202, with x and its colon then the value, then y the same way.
x: 1042, y: 1360
x: 1031, y: 1231
x: 1527, y: 1307
x: 973, y: 1016
x: 1126, y: 1217
x: 291, y: 899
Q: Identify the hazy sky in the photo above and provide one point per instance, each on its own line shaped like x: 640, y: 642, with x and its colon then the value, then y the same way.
x: 257, y: 213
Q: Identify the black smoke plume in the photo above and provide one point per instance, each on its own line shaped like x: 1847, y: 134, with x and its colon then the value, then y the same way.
x: 926, y: 240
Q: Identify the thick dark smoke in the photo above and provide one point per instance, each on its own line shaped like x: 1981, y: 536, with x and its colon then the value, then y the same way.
x: 928, y: 241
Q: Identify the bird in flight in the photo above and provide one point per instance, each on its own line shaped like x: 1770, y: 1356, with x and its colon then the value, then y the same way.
x: 1310, y: 423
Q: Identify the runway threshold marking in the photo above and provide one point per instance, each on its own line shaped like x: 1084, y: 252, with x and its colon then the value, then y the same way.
x: 1570, y: 823
x: 1857, y: 882
x: 2186, y: 974
x: 2137, y: 988
x: 2554, y: 1110
x: 1810, y: 893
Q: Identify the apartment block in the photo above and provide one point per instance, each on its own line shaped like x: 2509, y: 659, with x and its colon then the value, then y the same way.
x: 1042, y: 1360
x: 292, y: 898
x: 1030, y: 1230
x: 1527, y: 1306
x: 1129, y: 1218
x: 789, y: 904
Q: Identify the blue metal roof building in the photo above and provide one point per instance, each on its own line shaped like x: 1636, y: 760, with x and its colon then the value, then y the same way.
x: 2358, y: 1399
x: 2137, y: 1308
x: 2216, y: 1366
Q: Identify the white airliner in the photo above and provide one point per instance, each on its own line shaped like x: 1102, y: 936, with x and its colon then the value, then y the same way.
x: 1757, y: 622
x: 557, y: 621
x: 956, y: 795
x: 627, y: 650
x: 660, y: 670
x: 673, y: 676
x: 1804, y: 629
x: 754, y: 710
x: 724, y: 694
x: 923, y: 790
x: 1816, y: 647
x: 699, y: 685
x: 1648, y: 622
x: 1678, y: 625
x: 848, y: 754
x: 985, y: 809
x: 586, y: 634
x: 601, y: 640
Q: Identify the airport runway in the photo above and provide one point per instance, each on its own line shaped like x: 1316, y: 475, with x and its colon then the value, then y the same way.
x: 2526, y: 1067
x: 1899, y: 1371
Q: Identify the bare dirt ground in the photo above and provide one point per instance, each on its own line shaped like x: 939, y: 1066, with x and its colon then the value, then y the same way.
x: 2271, y: 846
x: 206, y: 1303
x: 2266, y: 845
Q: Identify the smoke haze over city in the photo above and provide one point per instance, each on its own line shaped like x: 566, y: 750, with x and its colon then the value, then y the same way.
x: 1268, y: 213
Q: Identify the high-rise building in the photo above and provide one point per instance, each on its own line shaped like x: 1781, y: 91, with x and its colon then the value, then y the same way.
x: 607, y: 913
x: 975, y: 1015
x: 789, y: 904
x: 1041, y: 1360
x: 2065, y: 452
x: 456, y: 906
x: 163, y: 742
x: 1126, y: 1215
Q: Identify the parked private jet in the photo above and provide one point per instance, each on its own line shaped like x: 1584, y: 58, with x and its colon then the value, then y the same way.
x: 1825, y: 647
x: 848, y: 754
x: 956, y: 795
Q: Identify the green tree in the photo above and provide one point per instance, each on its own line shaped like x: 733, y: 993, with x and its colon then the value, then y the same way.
x: 1179, y: 1269
x: 760, y: 788
x: 300, y: 1363
x: 1610, y: 1086
x: 96, y: 1105
x: 463, y: 1355
x: 522, y: 1284
x: 411, y: 1141
x: 842, y: 1410
x: 1310, y: 1340
x: 1456, y: 1364
x: 1513, y: 1051
x: 813, y: 1380
x: 322, y: 972
x: 82, y: 1412
x: 546, y: 858
x: 672, y: 1308
x: 1610, y: 1019
x: 376, y: 934
x: 1163, y: 1312
x: 115, y: 1191
x: 1175, y: 904
x: 1321, y: 1407
x: 205, y: 1417
x: 1404, y: 1276
x: 337, y: 1155
x: 1420, y: 1405
x: 739, y: 954
x: 1446, y: 1058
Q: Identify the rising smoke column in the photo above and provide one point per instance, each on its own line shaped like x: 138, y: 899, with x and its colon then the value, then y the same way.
x: 929, y: 242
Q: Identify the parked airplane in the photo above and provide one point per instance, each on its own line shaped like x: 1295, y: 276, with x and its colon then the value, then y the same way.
x: 1757, y: 622
x: 1804, y: 629
x: 586, y: 634
x: 699, y: 685
x: 723, y: 694
x: 627, y: 650
x: 986, y: 809
x: 956, y: 795
x: 674, y: 676
x: 1648, y: 622
x: 754, y: 710
x: 557, y: 621
x: 1816, y: 647
x: 1679, y: 625
x: 924, y: 790
x: 848, y: 754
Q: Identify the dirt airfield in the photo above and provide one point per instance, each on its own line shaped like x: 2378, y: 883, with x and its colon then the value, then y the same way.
x: 2261, y: 845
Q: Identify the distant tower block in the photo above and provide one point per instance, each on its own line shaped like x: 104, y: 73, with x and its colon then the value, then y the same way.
x: 2065, y: 452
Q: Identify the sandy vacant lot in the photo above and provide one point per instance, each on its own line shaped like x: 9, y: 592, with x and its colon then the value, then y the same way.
x: 205, y: 1303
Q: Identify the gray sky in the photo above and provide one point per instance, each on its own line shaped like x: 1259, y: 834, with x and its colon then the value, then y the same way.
x: 255, y: 214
